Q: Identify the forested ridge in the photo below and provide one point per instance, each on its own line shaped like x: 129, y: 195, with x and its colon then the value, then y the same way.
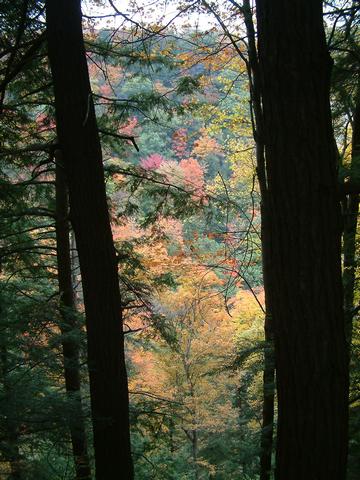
x: 179, y: 197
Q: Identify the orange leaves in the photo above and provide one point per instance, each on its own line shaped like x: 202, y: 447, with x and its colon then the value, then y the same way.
x: 179, y: 143
x: 205, y: 146
x: 150, y: 375
x: 193, y: 176
x: 128, y: 230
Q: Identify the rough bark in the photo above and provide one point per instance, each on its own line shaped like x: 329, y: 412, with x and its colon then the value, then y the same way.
x: 303, y: 242
x: 81, y: 150
x: 69, y: 327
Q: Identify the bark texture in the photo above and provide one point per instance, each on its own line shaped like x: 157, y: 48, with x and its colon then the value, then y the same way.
x: 68, y: 326
x: 81, y: 150
x: 303, y: 241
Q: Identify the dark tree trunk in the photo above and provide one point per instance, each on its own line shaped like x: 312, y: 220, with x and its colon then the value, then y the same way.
x: 81, y: 150
x: 351, y: 212
x: 267, y: 426
x: 69, y: 327
x: 12, y: 453
x: 303, y: 242
x: 350, y: 251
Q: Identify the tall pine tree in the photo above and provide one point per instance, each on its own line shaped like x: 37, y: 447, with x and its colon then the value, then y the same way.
x: 81, y: 151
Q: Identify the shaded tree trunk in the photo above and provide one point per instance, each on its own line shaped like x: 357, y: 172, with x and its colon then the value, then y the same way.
x: 81, y: 150
x: 303, y: 242
x: 351, y: 212
x: 69, y: 327
x: 10, y: 447
x: 12, y: 453
x: 350, y: 252
x: 267, y: 426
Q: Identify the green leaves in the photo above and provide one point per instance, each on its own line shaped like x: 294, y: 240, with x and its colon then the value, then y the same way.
x: 188, y: 85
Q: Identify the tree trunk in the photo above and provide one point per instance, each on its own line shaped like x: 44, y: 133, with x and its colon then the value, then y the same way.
x: 351, y: 213
x: 68, y: 326
x: 350, y: 247
x: 12, y: 454
x: 81, y: 150
x: 267, y: 426
x: 303, y: 242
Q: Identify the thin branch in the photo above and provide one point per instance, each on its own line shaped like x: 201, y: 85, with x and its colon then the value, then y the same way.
x: 121, y: 137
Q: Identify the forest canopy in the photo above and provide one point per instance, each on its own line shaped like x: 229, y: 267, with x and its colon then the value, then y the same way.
x: 179, y: 197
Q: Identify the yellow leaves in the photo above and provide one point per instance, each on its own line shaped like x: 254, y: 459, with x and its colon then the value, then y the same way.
x: 154, y: 257
x: 193, y: 371
x: 242, y: 160
x: 246, y: 309
x: 225, y: 57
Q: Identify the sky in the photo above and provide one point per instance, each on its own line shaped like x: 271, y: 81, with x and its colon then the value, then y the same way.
x: 148, y: 11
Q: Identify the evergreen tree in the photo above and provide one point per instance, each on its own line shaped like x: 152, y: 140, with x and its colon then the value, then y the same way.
x: 81, y: 151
